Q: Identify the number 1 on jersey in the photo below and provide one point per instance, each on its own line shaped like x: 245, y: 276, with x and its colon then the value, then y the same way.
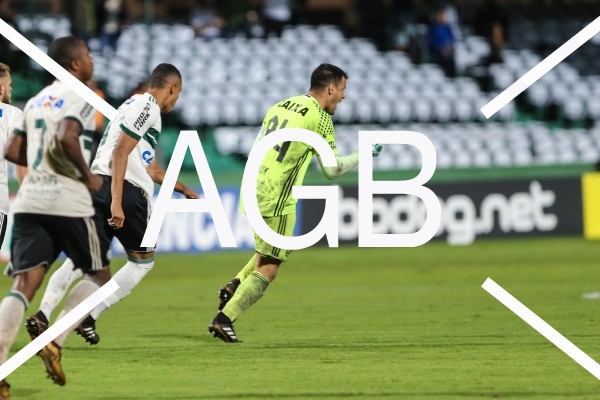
x: 272, y: 127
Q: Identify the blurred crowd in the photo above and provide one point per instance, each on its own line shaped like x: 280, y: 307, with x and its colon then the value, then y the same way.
x: 427, y: 29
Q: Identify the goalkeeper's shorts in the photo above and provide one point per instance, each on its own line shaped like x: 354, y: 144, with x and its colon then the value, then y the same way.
x: 283, y: 225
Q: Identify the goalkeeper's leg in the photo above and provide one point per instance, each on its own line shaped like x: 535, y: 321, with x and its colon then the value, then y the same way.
x: 268, y: 259
x: 227, y: 291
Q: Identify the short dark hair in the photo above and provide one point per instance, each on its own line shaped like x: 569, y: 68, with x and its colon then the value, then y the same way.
x: 161, y: 74
x: 326, y: 74
x: 64, y: 50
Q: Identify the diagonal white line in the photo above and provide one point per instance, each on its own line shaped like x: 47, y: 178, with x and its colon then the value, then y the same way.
x: 59, y: 72
x: 109, y: 288
x: 59, y: 327
x: 541, y: 69
x: 542, y: 327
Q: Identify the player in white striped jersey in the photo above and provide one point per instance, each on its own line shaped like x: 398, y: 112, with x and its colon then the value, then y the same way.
x: 53, y: 210
x: 9, y: 117
x: 126, y: 162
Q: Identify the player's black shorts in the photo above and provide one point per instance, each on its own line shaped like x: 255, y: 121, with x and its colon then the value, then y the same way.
x: 136, y: 208
x: 39, y: 239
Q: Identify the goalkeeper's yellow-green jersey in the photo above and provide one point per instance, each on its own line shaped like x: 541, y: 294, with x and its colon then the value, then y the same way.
x: 285, y: 165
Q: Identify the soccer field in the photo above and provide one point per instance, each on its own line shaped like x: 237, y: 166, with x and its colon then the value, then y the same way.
x: 347, y: 322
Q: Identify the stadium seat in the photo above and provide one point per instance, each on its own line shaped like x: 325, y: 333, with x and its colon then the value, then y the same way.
x: 482, y: 159
x: 442, y: 110
x: 574, y: 109
x: 403, y: 111
x: 423, y: 110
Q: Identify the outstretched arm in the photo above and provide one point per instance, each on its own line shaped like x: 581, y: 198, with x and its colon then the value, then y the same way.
x: 158, y: 175
x: 344, y: 164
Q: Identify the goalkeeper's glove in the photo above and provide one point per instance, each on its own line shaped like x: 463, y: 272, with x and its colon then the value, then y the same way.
x: 377, y: 149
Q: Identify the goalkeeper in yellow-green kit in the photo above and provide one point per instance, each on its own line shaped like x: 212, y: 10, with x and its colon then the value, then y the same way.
x: 282, y: 168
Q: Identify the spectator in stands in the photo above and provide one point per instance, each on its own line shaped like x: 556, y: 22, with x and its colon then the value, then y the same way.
x: 253, y: 28
x: 492, y: 23
x: 442, y: 43
x: 404, y: 12
x: 8, y: 52
x: 453, y: 20
x: 276, y: 14
x: 111, y: 15
x: 405, y: 28
x: 76, y: 12
x: 206, y: 21
x: 375, y: 19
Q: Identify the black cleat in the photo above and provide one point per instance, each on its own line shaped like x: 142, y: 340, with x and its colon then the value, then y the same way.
x: 36, y: 325
x: 227, y: 292
x: 221, y: 327
x: 87, y: 330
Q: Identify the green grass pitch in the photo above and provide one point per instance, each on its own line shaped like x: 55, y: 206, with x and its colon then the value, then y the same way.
x: 345, y: 323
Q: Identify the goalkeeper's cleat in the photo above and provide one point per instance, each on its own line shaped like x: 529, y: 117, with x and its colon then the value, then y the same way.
x: 35, y: 325
x: 51, y: 356
x: 227, y: 292
x: 221, y: 327
x: 4, y: 386
x: 87, y: 330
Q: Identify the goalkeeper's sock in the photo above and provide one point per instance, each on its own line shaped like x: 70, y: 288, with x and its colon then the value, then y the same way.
x: 247, y: 270
x: 57, y: 287
x: 246, y: 295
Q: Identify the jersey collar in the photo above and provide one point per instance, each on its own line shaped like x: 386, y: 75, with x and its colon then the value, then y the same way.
x: 152, y: 98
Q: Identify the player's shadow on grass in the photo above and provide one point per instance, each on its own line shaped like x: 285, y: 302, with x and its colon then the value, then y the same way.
x: 20, y: 393
x: 368, y: 395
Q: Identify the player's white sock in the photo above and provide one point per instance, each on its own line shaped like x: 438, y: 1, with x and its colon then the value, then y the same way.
x: 127, y: 278
x: 12, y: 309
x: 58, y: 284
x: 80, y: 292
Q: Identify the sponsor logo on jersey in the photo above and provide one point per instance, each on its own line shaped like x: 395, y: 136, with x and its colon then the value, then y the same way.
x: 294, y: 107
x: 129, y: 101
x: 0, y: 113
x: 141, y: 120
x: 85, y: 112
x: 147, y: 157
x: 48, y: 101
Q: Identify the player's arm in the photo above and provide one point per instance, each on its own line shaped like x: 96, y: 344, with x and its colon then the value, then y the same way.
x: 69, y: 131
x: 124, y: 147
x: 158, y: 176
x: 15, y: 149
x: 324, y: 127
x: 344, y: 165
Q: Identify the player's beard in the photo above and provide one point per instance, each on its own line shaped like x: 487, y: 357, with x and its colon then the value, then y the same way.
x: 6, y: 98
